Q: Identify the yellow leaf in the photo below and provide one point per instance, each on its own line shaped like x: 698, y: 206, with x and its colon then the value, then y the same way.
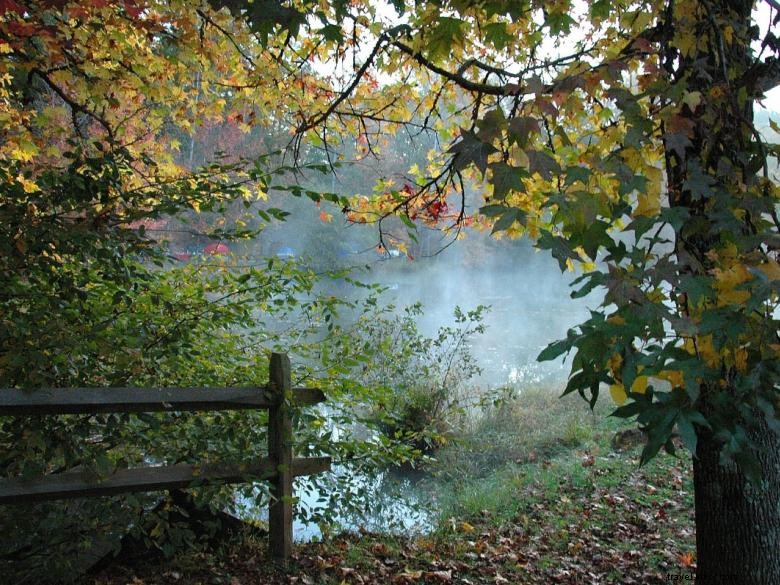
x: 692, y: 99
x: 740, y: 359
x: 27, y: 185
x: 726, y: 282
x: 707, y: 350
x: 648, y: 204
x: 614, y: 362
x: 466, y: 527
x: 640, y: 385
x: 674, y: 377
x: 686, y: 43
x: 25, y: 150
x: 771, y: 269
x: 728, y: 33
x: 618, y: 393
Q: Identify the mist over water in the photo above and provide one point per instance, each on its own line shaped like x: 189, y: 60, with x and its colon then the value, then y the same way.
x: 529, y: 299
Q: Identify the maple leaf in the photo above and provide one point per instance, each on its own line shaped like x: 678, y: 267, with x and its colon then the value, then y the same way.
x: 505, y: 179
x: 470, y: 149
x: 542, y: 163
x: 678, y: 142
x: 522, y: 129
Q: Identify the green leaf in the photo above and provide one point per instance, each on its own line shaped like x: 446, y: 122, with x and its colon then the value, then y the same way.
x: 493, y: 210
x: 660, y: 423
x: 448, y: 31
x: 594, y: 280
x: 629, y: 410
x: 492, y: 125
x: 600, y: 9
x: 678, y: 142
x: 687, y: 432
x: 577, y: 173
x: 522, y: 129
x: 558, y: 246
x: 554, y: 350
x: 505, y: 178
x: 496, y: 34
x: 559, y: 22
x: 332, y: 32
x: 508, y: 218
x: 698, y: 183
x: 471, y: 150
x: 542, y: 163
x: 596, y: 237
x: 400, y: 6
x: 407, y: 221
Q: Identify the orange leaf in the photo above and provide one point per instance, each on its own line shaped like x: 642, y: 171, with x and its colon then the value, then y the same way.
x: 687, y: 559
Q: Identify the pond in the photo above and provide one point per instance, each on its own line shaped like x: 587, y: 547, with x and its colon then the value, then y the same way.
x: 386, y: 502
x: 397, y: 500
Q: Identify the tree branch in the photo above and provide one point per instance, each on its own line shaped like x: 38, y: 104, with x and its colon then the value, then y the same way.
x: 74, y: 105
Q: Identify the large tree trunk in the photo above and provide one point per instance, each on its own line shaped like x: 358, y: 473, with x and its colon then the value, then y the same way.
x: 737, y: 523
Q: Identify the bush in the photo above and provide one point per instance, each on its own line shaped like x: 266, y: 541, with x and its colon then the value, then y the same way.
x: 423, y: 379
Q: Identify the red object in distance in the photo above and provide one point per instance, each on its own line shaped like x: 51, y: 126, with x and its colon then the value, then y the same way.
x: 217, y: 248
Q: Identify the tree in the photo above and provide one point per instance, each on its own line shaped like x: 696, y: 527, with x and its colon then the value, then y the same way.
x: 94, y: 100
x: 629, y: 152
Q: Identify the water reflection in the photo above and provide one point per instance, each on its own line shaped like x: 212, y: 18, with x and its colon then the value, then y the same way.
x: 388, y: 502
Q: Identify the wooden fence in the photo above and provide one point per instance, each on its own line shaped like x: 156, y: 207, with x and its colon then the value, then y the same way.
x: 280, y: 467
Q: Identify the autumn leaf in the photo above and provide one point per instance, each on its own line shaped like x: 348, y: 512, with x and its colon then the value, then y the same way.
x: 687, y: 559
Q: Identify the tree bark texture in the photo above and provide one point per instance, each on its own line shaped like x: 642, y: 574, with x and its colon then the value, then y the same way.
x: 737, y: 522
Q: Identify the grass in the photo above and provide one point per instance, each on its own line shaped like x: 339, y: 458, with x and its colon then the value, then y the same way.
x: 536, y: 425
x: 532, y: 492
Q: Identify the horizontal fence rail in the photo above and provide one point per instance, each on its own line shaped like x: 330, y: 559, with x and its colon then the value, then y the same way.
x: 76, y: 484
x: 280, y: 467
x: 52, y: 401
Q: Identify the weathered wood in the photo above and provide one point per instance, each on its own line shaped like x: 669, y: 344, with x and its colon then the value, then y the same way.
x: 97, y: 400
x: 280, y: 510
x: 307, y: 396
x: 280, y: 467
x: 74, y: 484
x: 310, y: 465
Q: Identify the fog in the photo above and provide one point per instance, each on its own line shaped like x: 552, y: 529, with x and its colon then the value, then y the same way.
x: 528, y: 296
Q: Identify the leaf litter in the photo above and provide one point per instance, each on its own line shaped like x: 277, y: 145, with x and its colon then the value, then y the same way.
x: 623, y: 524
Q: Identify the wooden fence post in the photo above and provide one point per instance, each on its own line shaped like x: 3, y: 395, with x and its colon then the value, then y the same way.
x: 280, y: 510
